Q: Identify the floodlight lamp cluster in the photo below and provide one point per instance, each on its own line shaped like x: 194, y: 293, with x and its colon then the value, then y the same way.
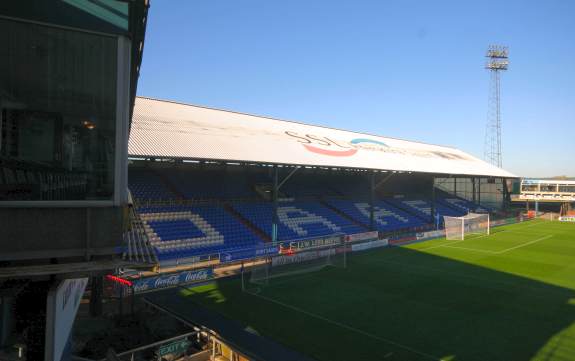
x: 498, y: 52
x: 498, y: 57
x: 497, y: 65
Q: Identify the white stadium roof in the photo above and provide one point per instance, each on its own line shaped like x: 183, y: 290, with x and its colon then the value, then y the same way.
x: 548, y: 181
x: 164, y: 129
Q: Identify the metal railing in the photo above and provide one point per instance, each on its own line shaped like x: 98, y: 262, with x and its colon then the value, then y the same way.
x: 141, y: 353
x: 138, y: 248
x: 150, y: 351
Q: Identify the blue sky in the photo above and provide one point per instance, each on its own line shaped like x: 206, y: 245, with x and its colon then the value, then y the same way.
x: 405, y: 69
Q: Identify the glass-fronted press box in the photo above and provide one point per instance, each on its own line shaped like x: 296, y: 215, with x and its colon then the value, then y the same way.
x: 63, y: 118
x: 68, y: 70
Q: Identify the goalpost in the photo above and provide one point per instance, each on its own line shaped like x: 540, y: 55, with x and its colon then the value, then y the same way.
x: 299, y: 257
x: 473, y: 223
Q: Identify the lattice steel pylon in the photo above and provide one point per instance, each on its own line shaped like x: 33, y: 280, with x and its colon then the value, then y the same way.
x: 497, y: 61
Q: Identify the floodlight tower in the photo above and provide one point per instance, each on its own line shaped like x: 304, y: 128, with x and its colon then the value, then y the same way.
x: 497, y: 61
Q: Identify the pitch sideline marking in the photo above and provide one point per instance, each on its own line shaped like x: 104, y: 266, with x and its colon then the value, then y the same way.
x: 350, y: 328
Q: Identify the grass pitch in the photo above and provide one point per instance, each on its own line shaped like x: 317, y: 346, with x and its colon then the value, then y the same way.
x: 507, y: 296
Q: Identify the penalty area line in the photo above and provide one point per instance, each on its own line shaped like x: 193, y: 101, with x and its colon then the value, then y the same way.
x: 440, y: 245
x: 347, y: 327
x: 525, y: 244
x: 473, y: 249
x: 504, y: 250
x: 447, y: 244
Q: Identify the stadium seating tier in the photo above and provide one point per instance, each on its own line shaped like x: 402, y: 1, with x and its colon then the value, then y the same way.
x: 180, y: 232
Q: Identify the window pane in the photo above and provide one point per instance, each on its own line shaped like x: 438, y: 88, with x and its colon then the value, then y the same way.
x: 548, y: 188
x: 530, y: 187
x: 57, y: 113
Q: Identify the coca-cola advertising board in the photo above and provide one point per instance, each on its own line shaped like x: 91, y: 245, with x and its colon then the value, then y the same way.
x: 172, y: 280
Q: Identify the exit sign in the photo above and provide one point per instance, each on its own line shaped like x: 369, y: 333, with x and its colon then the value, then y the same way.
x: 174, y: 348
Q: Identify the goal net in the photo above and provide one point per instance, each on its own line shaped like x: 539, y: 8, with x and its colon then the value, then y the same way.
x: 299, y: 257
x: 459, y: 227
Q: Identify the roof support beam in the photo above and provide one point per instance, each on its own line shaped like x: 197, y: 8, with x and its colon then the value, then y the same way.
x: 371, y: 202
x: 479, y: 191
x: 473, y: 189
x: 287, y: 177
x: 455, y: 186
x: 506, y: 197
x: 434, y: 217
x: 373, y: 187
x: 382, y: 181
x: 275, y: 191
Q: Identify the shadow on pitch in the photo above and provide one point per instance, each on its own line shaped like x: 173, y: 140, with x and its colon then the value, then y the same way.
x: 439, y: 306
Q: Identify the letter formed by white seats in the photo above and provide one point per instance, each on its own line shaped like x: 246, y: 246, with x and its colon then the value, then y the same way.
x: 379, y: 213
x: 211, y: 235
x: 295, y: 223
x: 420, y: 205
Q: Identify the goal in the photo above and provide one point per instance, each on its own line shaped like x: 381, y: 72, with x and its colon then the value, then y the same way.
x: 299, y: 257
x: 472, y: 223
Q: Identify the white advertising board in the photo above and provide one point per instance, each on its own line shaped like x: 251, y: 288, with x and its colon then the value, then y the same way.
x: 369, y: 245
x: 62, y: 305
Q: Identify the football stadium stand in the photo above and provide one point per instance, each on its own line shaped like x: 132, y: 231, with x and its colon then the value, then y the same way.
x: 181, y: 228
x: 214, y: 187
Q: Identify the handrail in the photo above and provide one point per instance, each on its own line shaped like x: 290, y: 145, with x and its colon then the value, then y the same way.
x: 157, y: 343
x: 136, y: 240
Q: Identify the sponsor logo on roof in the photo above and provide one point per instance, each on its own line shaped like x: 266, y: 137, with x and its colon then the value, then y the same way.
x: 337, y: 148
